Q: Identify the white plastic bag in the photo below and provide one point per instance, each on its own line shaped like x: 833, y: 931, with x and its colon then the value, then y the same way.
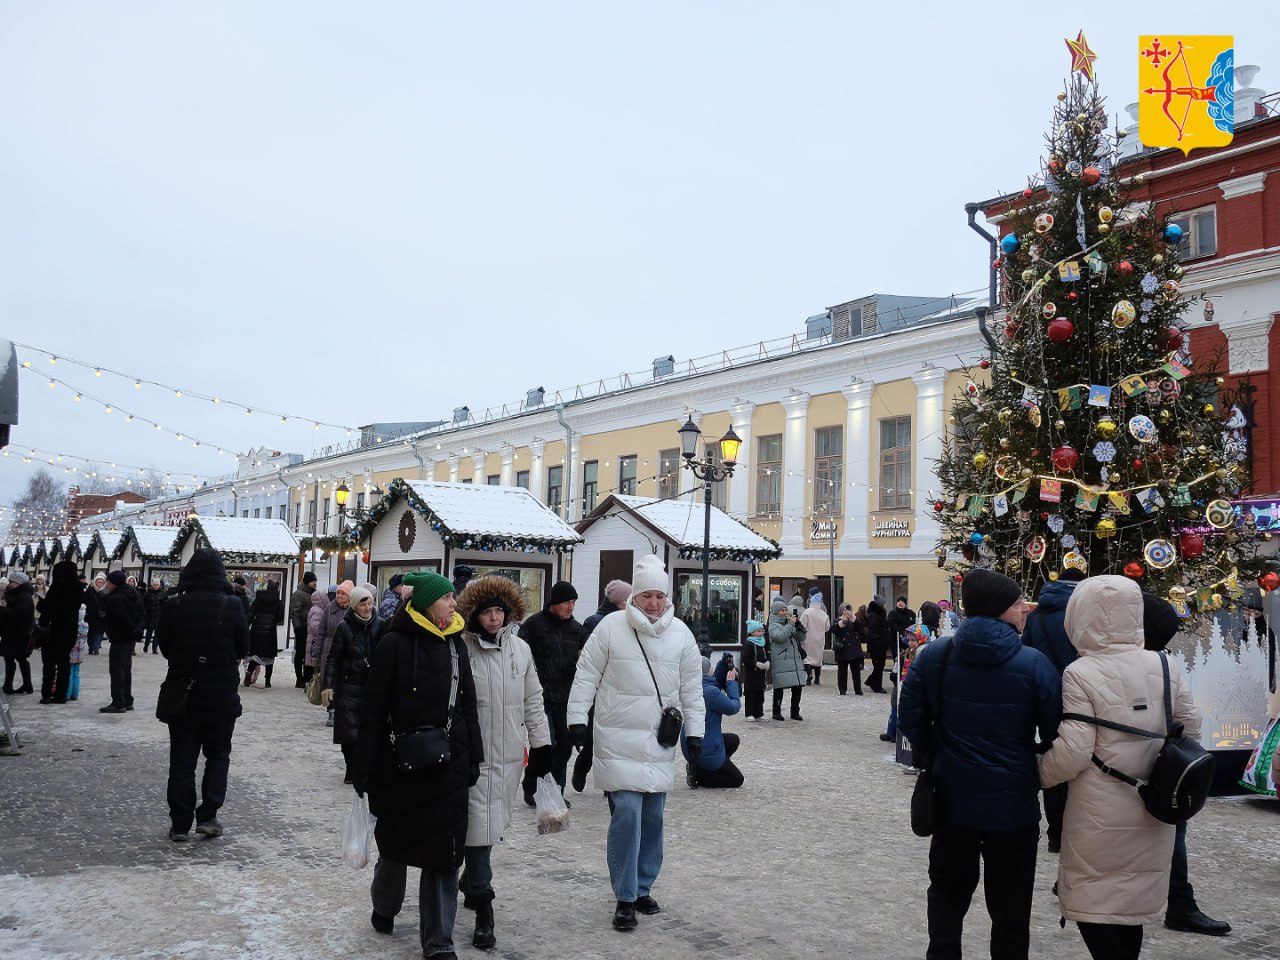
x: 357, y: 833
x: 553, y: 813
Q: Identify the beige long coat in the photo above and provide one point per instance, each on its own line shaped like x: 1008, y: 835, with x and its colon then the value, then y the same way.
x: 1115, y: 856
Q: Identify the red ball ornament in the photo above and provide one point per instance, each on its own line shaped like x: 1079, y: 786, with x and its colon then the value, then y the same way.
x: 1061, y: 330
x: 1027, y: 193
x: 1134, y: 569
x: 1073, y: 296
x: 1269, y: 581
x: 1065, y: 458
x: 1191, y: 545
x: 365, y: 557
x: 1090, y: 175
x: 939, y: 506
x: 1055, y: 164
x: 1044, y: 515
x: 984, y: 364
x: 1124, y: 268
x: 1171, y: 338
x: 1137, y: 464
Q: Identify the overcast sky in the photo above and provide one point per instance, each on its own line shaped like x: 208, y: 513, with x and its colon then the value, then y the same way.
x: 373, y: 212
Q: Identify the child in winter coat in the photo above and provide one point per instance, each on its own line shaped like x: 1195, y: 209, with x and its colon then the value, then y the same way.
x: 77, y: 655
x: 755, y: 662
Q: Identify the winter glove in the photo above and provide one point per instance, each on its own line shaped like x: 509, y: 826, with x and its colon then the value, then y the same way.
x: 694, y: 745
x: 578, y: 734
x: 540, y: 761
x: 473, y: 775
x: 760, y: 665
x: 361, y: 784
x: 326, y: 698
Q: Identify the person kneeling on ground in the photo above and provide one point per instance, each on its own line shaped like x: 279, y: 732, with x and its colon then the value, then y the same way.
x: 712, y: 766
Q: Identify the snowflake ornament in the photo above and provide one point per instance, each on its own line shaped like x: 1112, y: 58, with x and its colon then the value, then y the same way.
x: 1056, y: 523
x: 1150, y: 283
x: 1104, y: 451
x: 1069, y: 541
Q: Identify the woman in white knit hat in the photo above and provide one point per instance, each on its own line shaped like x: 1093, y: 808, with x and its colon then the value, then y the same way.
x: 633, y: 667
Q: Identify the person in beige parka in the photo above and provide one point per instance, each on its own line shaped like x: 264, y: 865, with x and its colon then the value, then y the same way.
x: 1113, y: 875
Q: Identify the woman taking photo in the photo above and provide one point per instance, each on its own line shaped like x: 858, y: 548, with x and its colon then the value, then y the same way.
x: 418, y: 750
x: 347, y: 670
x: 848, y: 634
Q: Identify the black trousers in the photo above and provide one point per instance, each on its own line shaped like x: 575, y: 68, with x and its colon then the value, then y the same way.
x: 1055, y: 807
x: 301, y: 672
x: 795, y: 700
x: 186, y: 741
x: 1110, y: 941
x: 120, y: 666
x: 561, y: 747
x: 755, y: 703
x: 843, y: 669
x: 875, y: 679
x: 727, y: 775
x: 1008, y: 878
x: 55, y: 675
x: 11, y: 667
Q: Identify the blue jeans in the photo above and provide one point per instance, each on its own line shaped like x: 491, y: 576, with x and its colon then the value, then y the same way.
x: 95, y: 640
x: 634, y: 848
x: 1182, y: 896
x: 479, y: 873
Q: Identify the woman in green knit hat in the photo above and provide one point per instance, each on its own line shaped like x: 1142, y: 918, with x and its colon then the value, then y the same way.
x: 420, y: 678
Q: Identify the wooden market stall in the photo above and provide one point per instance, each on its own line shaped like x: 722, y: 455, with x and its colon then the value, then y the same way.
x: 623, y: 528
x: 98, y: 554
x: 150, y: 551
x: 431, y: 525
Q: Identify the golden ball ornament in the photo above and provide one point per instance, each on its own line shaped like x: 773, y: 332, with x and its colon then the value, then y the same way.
x: 1221, y: 473
x: 1027, y: 275
x: 1082, y: 118
x: 1107, y: 428
x: 1208, y: 410
x: 981, y: 460
x: 1202, y: 449
x: 1004, y: 443
x: 1026, y: 473
x: 1121, y: 134
x: 1158, y: 259
x: 1165, y: 416
x: 1105, y: 529
x: 1217, y: 601
x: 1059, y: 424
x: 1053, y: 574
x: 1104, y: 228
x: 1219, y: 381
x: 1004, y: 415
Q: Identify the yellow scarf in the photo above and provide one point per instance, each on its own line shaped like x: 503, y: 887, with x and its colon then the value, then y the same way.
x: 456, y: 624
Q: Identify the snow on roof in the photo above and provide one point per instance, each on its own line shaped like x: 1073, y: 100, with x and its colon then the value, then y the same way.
x: 681, y: 522
x: 110, y: 541
x: 480, y: 510
x: 247, y: 535
x: 154, y: 541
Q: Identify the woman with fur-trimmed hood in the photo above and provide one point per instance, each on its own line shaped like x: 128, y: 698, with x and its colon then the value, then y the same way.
x: 509, y: 702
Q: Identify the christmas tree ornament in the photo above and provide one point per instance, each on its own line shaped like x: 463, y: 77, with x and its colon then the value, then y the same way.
x: 976, y: 539
x: 1005, y: 415
x: 1062, y: 95
x: 1073, y: 296
x: 984, y: 363
x: 1027, y: 193
x: 1075, y: 560
x: 1049, y: 310
x: 1056, y: 523
x: 971, y: 390
x: 1219, y: 514
x: 1034, y: 418
x: 1034, y: 251
x: 1165, y: 416
x: 1028, y: 275
x: 1011, y: 328
x: 1104, y: 228
x: 1074, y: 168
x: 1123, y: 314
x: 1090, y: 176
x: 1170, y: 338
x: 1171, y: 289
x: 1061, y: 330
x: 1105, y: 528
x: 1044, y: 222
x: 980, y: 460
x: 1009, y: 243
x: 1191, y: 545
x: 1055, y: 164
x: 1069, y: 541
x: 1159, y: 554
x: 1006, y: 467
x: 1005, y: 443
x: 1137, y: 464
x: 1105, y: 214
x: 996, y: 264
x: 939, y: 506
x: 1104, y: 451
x: 1035, y: 549
x: 1157, y: 259
x: 1208, y: 410
x: 1059, y: 424
x: 1065, y: 458
x: 1134, y: 569
x: 1142, y: 429
x: 1170, y: 389
x: 1106, y: 428
x: 1026, y: 473
x: 1053, y: 574
x: 1172, y: 234
x: 1177, y: 272
x: 1124, y: 268
x: 1269, y: 581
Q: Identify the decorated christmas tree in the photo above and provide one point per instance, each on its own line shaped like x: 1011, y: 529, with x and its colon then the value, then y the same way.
x: 1094, y: 440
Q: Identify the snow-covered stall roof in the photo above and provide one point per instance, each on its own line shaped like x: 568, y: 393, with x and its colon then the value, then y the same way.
x: 107, y: 540
x: 242, y: 539
x: 151, y: 542
x: 478, y: 516
x: 681, y: 523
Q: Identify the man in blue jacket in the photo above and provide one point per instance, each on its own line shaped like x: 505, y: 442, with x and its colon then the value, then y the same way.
x: 711, y: 766
x: 978, y: 723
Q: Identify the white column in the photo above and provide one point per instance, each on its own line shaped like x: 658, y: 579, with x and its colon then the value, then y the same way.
x: 927, y: 433
x: 739, y: 500
x: 453, y: 467
x: 858, y: 441
x: 477, y: 467
x: 506, y: 477
x: 537, y: 469
x: 794, y: 472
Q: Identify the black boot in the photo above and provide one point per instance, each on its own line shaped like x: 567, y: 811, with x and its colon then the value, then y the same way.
x: 817, y: 676
x: 484, y: 938
x: 267, y: 671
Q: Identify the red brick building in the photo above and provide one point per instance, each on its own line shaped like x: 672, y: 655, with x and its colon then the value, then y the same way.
x: 84, y: 505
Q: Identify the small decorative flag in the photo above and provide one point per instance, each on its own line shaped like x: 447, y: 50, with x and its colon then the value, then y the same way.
x: 1176, y: 369
x: 1030, y: 397
x: 1051, y: 490
x: 1118, y: 501
x: 975, y: 506
x: 1069, y: 398
x: 1086, y: 499
x: 1133, y: 386
x: 1069, y: 272
x: 1000, y: 504
x: 1099, y: 395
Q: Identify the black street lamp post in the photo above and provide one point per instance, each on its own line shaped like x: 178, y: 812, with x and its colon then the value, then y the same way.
x: 709, y: 472
x: 342, y: 494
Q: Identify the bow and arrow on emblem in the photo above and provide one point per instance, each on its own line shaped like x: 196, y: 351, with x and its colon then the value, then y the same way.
x: 1155, y: 53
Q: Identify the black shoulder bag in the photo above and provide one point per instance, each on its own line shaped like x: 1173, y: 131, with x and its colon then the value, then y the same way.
x: 426, y: 749
x: 175, y: 689
x: 1183, y: 773
x: 671, y: 720
x: 924, y: 798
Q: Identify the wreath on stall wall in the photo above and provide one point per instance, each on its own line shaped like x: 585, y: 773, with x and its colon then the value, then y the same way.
x: 407, y: 532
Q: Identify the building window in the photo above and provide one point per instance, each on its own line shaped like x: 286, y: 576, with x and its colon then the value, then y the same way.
x: 891, y: 588
x: 590, y: 485
x: 895, y: 463
x: 769, y: 475
x: 311, y: 514
x: 327, y: 504
x: 297, y: 516
x: 493, y: 479
x: 359, y: 501
x: 522, y: 479
x: 627, y: 475
x: 1199, y: 233
x: 268, y: 513
x: 468, y: 479
x: 719, y: 491
x: 244, y: 514
x: 828, y: 470
x: 555, y: 487
x: 257, y: 513
x: 668, y: 473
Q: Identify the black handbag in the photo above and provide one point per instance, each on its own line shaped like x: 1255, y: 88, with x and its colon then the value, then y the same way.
x: 925, y: 800
x: 171, y: 704
x: 425, y: 749
x: 671, y: 720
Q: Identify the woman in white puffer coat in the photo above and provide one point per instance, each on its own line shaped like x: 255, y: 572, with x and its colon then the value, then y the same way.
x: 1114, y: 872
x: 633, y: 769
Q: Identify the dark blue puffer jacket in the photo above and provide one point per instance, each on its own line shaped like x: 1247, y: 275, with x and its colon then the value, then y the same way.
x: 1045, y: 628
x: 720, y: 703
x: 998, y: 693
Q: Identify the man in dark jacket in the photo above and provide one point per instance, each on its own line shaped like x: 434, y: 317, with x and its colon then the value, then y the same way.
x: 1045, y: 631
x: 299, y: 607
x: 152, y: 600
x: 204, y: 636
x: 973, y: 705
x: 616, y: 595
x: 879, y: 636
x: 555, y: 639
x: 60, y: 613
x: 124, y: 615
x: 17, y: 617
x: 901, y: 618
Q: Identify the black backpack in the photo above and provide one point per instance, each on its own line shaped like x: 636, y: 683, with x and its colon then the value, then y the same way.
x: 1179, y: 783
